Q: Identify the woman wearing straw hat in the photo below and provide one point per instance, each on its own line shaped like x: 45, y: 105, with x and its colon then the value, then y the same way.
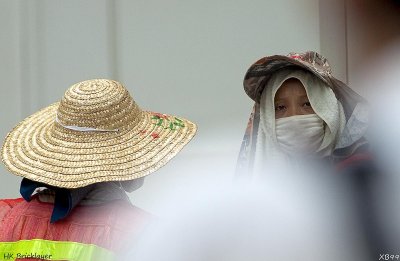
x: 78, y: 157
x: 303, y: 116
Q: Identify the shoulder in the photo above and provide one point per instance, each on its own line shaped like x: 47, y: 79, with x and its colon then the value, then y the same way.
x: 361, y: 159
x: 7, y: 204
x: 11, y: 202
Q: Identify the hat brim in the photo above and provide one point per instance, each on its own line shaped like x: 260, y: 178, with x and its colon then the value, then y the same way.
x: 40, y: 149
x: 261, y: 71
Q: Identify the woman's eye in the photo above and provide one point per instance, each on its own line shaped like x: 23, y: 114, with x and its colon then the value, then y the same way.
x: 279, y: 107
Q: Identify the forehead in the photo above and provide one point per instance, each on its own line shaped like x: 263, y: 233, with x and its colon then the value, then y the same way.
x: 291, y: 87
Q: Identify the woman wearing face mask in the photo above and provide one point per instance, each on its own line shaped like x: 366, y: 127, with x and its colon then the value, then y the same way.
x: 301, y: 113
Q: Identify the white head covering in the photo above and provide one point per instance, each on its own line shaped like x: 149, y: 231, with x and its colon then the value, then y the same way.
x: 323, y: 102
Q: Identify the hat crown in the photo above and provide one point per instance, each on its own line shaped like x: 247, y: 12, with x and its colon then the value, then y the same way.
x: 317, y: 61
x: 98, y: 104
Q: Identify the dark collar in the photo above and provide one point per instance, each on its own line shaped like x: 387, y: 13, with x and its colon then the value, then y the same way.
x: 65, y: 199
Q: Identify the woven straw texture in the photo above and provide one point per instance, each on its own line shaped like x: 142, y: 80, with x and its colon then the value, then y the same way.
x: 96, y: 133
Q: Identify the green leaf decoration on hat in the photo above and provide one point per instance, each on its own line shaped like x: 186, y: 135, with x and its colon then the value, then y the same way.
x: 163, y: 120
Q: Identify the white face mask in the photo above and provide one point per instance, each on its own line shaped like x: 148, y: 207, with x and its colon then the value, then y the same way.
x: 300, y: 134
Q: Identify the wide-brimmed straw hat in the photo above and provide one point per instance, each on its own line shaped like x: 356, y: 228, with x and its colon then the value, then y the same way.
x: 96, y: 133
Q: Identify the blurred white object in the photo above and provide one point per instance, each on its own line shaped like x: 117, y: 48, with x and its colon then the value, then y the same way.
x: 292, y: 216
